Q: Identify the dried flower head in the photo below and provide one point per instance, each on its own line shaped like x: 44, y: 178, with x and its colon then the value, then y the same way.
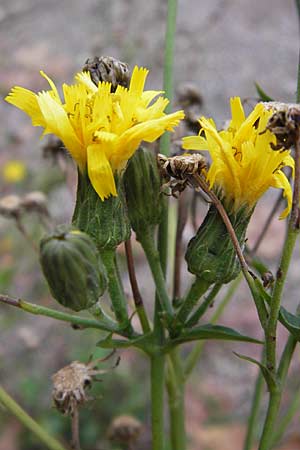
x: 190, y: 100
x: 70, y: 384
x: 124, y: 429
x: 178, y: 170
x: 10, y: 206
x: 108, y: 69
x: 284, y: 123
x: 35, y: 201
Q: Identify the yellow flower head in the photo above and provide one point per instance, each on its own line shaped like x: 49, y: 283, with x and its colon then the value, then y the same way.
x: 101, y: 129
x: 14, y: 171
x: 244, y: 165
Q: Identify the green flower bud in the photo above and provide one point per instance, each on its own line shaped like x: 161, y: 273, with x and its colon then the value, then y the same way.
x: 105, y: 221
x: 142, y: 188
x: 73, y: 268
x: 210, y: 254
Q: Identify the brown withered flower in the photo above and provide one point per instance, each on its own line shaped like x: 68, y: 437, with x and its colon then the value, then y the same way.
x: 71, y: 382
x: 125, y: 430
x: 179, y: 170
x: 107, y: 68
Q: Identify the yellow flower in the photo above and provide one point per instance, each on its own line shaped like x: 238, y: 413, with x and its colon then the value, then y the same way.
x: 243, y: 165
x: 101, y: 129
x: 14, y: 171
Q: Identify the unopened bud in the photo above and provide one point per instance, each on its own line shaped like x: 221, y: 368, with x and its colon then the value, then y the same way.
x: 142, y: 188
x: 106, y: 221
x: 73, y: 269
x: 210, y: 254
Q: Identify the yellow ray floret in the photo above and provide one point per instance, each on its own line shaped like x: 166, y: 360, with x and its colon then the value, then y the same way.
x: 101, y: 129
x: 244, y: 165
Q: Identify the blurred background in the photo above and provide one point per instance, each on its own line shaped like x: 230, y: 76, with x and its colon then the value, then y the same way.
x: 222, y: 47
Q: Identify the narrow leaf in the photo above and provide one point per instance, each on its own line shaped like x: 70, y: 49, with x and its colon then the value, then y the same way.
x: 262, y: 94
x: 210, y: 331
x: 267, y: 374
x: 291, y: 322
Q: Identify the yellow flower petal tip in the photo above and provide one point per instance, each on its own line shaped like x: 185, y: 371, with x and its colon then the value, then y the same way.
x: 113, y: 123
x: 244, y: 164
x: 14, y: 171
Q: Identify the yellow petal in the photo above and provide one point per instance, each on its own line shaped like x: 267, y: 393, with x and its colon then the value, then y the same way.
x: 100, y: 172
x: 237, y: 113
x: 27, y: 101
x: 52, y: 85
x: 85, y: 79
x: 138, y: 79
x: 194, y: 143
x: 280, y: 181
x: 58, y: 123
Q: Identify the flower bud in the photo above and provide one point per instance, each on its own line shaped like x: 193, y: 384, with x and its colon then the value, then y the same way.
x: 142, y: 189
x: 210, y: 254
x: 106, y: 221
x: 72, y: 267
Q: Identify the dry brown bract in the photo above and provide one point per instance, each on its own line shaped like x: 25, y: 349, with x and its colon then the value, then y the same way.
x: 181, y: 169
x: 284, y: 123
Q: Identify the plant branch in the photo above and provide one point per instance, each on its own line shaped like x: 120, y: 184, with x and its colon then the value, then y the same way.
x: 193, y: 320
x: 58, y: 315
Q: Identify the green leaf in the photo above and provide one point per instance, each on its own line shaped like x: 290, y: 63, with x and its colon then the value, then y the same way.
x: 267, y: 374
x: 210, y: 331
x: 262, y: 95
x: 291, y: 322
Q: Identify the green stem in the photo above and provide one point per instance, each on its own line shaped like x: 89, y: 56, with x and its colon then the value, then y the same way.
x: 198, y: 288
x: 157, y: 401
x: 271, y: 416
x: 176, y: 389
x: 58, y: 315
x: 276, y: 298
x: 147, y: 241
x: 270, y: 333
x: 252, y: 420
x: 285, y: 360
x: 204, y: 306
x: 28, y: 422
x: 287, y: 418
x: 168, y: 85
x: 115, y: 288
x: 194, y: 356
